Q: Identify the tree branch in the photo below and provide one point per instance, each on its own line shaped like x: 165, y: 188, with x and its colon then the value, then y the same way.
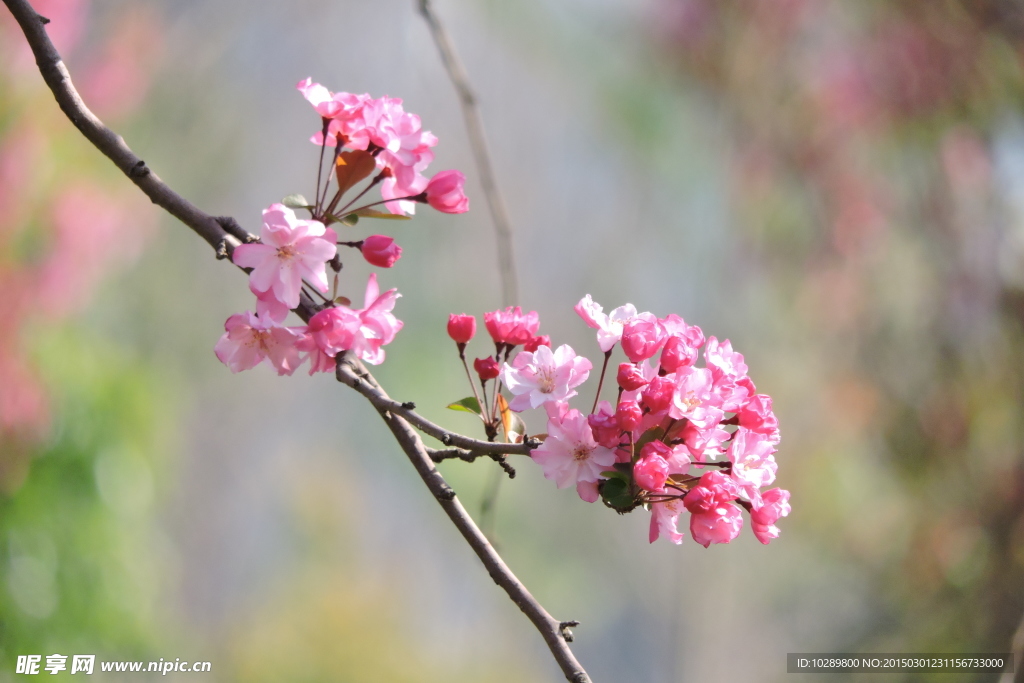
x: 478, y: 143
x: 555, y: 632
x: 223, y: 234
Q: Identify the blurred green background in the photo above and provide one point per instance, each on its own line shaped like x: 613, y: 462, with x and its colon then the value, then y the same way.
x: 837, y: 187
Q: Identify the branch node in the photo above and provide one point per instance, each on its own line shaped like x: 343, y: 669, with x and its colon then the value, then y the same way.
x: 503, y: 461
x: 446, y: 493
x: 409, y: 405
x: 563, y: 629
x: 43, y: 20
x: 446, y: 439
x: 139, y: 170
x: 222, y: 250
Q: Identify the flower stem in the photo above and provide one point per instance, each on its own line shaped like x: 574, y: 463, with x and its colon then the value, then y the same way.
x: 600, y: 382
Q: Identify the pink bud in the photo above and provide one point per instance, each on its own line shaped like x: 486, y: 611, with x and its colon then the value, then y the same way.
x: 461, y: 327
x: 381, y: 251
x: 487, y: 368
x: 651, y: 472
x: 657, y: 397
x: 445, y: 192
x: 604, y: 426
x: 629, y: 377
x: 540, y: 340
x: 676, y: 354
x: 629, y: 415
x: 642, y: 336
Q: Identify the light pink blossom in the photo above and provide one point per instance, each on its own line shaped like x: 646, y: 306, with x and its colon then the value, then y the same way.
x: 570, y: 454
x: 753, y: 465
x: 608, y: 326
x: 544, y: 376
x: 248, y: 340
x: 693, y: 397
x: 762, y: 520
x: 379, y: 325
x: 292, y: 250
x: 665, y: 519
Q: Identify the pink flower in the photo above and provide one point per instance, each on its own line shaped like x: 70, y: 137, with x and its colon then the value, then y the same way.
x: 628, y: 416
x: 444, y: 192
x: 461, y: 328
x: 677, y: 458
x: 719, y: 525
x: 379, y: 325
x: 665, y: 518
x: 319, y: 360
x: 714, y: 519
x: 344, y: 110
x: 762, y: 520
x: 651, y: 471
x: 753, y: 465
x: 609, y: 327
x: 544, y: 376
x: 511, y: 326
x: 605, y: 426
x: 630, y: 378
x: 682, y: 344
x: 569, y: 454
x: 363, y: 332
x: 704, y: 443
x: 642, y: 336
x: 757, y: 416
x: 267, y: 305
x: 657, y: 396
x: 693, y: 397
x: 292, y: 251
x: 487, y: 368
x: 381, y: 251
x: 538, y: 341
x: 334, y: 329
x: 248, y: 340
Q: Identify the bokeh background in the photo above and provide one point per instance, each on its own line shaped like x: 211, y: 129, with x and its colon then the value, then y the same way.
x: 837, y: 187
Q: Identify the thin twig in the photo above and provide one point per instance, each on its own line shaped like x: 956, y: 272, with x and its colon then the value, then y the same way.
x: 349, y: 371
x: 478, y: 142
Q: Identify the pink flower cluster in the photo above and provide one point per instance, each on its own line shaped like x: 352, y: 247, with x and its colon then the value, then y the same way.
x: 293, y: 253
x: 671, y: 417
x: 396, y: 139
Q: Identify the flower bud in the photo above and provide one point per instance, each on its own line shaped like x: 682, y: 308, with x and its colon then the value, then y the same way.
x: 629, y: 415
x: 676, y: 354
x: 650, y: 472
x: 461, y: 328
x: 657, y: 397
x: 381, y: 251
x: 487, y: 368
x: 629, y: 377
x: 445, y: 192
x: 641, y: 337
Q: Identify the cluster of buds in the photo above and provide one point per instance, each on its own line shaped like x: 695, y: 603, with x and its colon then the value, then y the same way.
x: 679, y: 436
x: 292, y: 254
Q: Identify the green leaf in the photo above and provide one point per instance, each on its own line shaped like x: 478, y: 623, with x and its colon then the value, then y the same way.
x: 296, y: 201
x: 617, y: 494
x: 373, y: 213
x: 350, y: 220
x: 466, y: 405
